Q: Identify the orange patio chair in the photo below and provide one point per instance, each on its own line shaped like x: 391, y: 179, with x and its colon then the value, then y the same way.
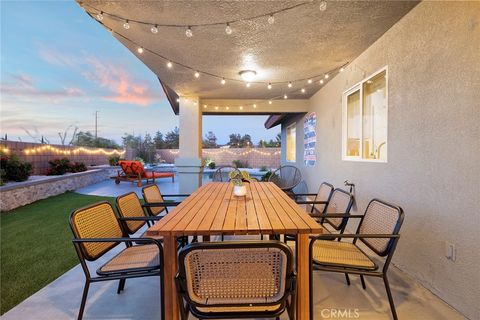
x: 134, y: 171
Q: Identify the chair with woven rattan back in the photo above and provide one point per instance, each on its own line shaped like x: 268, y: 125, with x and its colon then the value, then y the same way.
x: 237, y: 279
x: 286, y: 178
x: 132, y: 213
x: 378, y: 230
x: 222, y: 174
x: 156, y: 203
x: 96, y: 230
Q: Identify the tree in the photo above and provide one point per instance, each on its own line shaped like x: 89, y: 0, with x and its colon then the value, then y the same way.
x: 246, y: 141
x: 159, y: 141
x: 146, y: 149
x: 235, y: 140
x: 210, y: 140
x: 86, y: 139
x: 172, y: 139
x: 131, y: 141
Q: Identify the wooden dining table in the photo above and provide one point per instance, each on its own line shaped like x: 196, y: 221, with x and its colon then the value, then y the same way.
x: 214, y: 210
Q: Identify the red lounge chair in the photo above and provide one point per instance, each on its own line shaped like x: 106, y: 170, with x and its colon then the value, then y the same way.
x: 134, y: 171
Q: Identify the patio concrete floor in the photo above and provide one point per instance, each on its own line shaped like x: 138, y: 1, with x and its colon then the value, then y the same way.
x: 141, y: 297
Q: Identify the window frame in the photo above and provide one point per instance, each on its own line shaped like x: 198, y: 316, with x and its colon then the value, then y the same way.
x: 359, y: 87
x: 287, y: 130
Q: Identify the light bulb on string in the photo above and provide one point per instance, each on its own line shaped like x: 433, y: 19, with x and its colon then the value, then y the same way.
x: 197, y: 74
x: 126, y: 25
x: 189, y: 32
x: 327, y: 75
x: 321, y: 81
x: 303, y: 90
x: 269, y: 86
x: 100, y: 16
x: 169, y: 64
x: 269, y: 101
x: 228, y: 29
x: 309, y: 81
x: 248, y: 84
x: 241, y: 107
x: 285, y: 96
x: 271, y: 19
x: 223, y: 81
x: 140, y: 50
x: 154, y: 29
x: 254, y: 106
x: 342, y: 69
x: 323, y: 5
x: 289, y: 84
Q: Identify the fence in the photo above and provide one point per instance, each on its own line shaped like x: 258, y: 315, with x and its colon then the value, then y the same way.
x: 255, y: 157
x: 39, y: 154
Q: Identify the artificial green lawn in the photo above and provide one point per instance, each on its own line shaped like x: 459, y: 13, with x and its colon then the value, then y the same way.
x: 35, y: 245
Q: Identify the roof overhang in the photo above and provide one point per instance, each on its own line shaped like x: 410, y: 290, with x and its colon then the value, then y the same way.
x: 276, y: 119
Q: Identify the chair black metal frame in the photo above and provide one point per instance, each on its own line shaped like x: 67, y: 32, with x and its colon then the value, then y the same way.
x: 388, y: 253
x: 315, y: 201
x: 218, y: 174
x: 187, y: 305
x: 165, y: 203
x: 277, y: 174
x: 120, y: 275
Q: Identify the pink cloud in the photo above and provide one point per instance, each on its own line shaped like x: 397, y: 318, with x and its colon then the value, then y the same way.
x: 23, y: 86
x: 118, y: 84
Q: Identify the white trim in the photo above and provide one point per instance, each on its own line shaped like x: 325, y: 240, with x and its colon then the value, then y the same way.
x: 359, y: 87
x: 294, y: 125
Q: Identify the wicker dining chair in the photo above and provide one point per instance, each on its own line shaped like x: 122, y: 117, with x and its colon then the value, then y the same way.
x: 286, y: 178
x: 237, y: 279
x: 154, y: 199
x: 316, y: 202
x: 378, y: 229
x: 96, y: 231
x: 222, y: 174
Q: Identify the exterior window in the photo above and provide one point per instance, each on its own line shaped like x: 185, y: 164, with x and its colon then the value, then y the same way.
x: 291, y: 148
x: 365, y: 120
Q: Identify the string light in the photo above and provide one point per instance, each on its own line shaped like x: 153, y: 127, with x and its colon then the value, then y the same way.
x: 290, y: 84
x: 248, y: 84
x: 321, y: 81
x: 140, y: 50
x: 241, y: 107
x: 189, y: 32
x: 323, y: 5
x: 244, y: 153
x: 254, y: 106
x: 327, y: 75
x: 303, y: 90
x: 227, y: 108
x: 269, y: 101
x: 342, y: 69
x: 154, y: 29
x: 228, y: 29
x: 197, y: 74
x: 269, y: 86
x: 169, y: 64
x: 285, y: 96
x: 126, y: 25
x: 309, y: 81
x: 100, y: 16
x: 216, y: 108
x: 204, y: 106
x: 271, y: 19
x: 76, y: 150
x: 223, y: 81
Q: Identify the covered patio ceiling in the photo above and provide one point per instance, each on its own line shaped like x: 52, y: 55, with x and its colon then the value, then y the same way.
x: 303, y: 43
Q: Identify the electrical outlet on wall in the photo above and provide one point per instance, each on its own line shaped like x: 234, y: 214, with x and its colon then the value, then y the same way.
x: 450, y: 251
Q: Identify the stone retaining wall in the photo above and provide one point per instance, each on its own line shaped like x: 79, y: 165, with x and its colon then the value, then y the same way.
x: 14, y: 195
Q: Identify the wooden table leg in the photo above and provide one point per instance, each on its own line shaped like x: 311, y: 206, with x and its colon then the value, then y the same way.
x: 303, y: 308
x: 170, y: 256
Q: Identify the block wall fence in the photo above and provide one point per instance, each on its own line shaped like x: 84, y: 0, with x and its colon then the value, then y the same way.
x: 39, y: 159
x: 256, y: 157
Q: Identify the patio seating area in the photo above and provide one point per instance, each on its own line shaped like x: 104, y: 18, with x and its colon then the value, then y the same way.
x: 366, y: 208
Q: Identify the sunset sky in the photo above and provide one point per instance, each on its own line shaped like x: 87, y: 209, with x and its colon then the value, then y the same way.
x: 58, y: 67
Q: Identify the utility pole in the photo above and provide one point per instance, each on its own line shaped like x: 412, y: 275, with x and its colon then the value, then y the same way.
x: 96, y: 127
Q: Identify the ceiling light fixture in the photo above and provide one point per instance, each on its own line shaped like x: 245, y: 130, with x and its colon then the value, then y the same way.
x: 247, y: 75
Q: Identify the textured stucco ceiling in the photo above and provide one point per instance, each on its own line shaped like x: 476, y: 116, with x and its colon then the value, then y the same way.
x: 302, y: 42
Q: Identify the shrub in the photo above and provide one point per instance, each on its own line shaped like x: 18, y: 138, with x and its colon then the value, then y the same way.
x: 12, y: 169
x: 263, y: 168
x: 211, y: 165
x: 240, y: 164
x: 266, y: 176
x: 62, y: 166
x: 113, y: 160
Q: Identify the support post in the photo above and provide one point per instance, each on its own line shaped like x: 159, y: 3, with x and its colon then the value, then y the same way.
x: 189, y: 164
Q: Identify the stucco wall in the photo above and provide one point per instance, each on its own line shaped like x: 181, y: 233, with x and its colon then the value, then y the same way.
x: 433, y: 169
